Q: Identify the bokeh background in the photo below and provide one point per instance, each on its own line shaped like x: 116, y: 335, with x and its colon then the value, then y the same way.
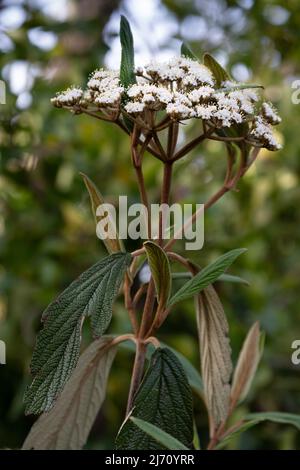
x: 47, y: 233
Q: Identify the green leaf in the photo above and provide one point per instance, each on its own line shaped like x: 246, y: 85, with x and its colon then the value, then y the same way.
x: 194, y: 378
x: 234, y: 279
x: 168, y: 441
x: 187, y: 52
x: 207, y: 276
x: 164, y: 399
x: 161, y: 272
x: 239, y: 86
x: 193, y: 375
x: 58, y: 344
x: 220, y: 74
x: 68, y: 423
x: 112, y: 245
x: 255, y: 418
x: 127, y: 75
x: 275, y: 417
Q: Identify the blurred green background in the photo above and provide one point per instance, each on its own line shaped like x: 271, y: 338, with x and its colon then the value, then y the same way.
x: 47, y: 234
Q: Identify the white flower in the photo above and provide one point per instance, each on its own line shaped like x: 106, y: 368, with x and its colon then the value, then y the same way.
x: 205, y: 112
x: 134, y: 107
x: 68, y: 97
x: 270, y: 114
x: 262, y: 131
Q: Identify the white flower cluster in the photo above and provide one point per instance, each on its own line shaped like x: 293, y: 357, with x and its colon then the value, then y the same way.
x: 184, y: 89
x: 69, y: 97
x: 263, y: 134
x: 103, y: 90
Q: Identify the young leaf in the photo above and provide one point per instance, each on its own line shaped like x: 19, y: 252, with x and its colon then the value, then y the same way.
x: 206, y: 276
x: 164, y: 399
x: 168, y: 441
x: 69, y: 422
x: 127, y: 75
x: 112, y: 245
x: 247, y: 364
x: 58, y: 343
x: 220, y: 75
x: 187, y: 52
x: 215, y: 353
x: 234, y: 279
x: 275, y: 417
x: 161, y: 272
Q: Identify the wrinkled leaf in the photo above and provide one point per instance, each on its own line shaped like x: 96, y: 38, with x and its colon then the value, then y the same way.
x: 58, y: 343
x: 161, y: 272
x: 112, y: 245
x: 220, y: 74
x: 206, y: 276
x: 69, y: 422
x: 164, y: 399
x: 215, y: 353
x: 194, y: 378
x: 247, y: 364
x: 168, y: 441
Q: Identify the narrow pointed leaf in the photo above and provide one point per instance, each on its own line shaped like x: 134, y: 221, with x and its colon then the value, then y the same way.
x: 275, y: 417
x: 112, y: 245
x: 161, y: 272
x: 168, y: 441
x: 215, y: 354
x: 206, y: 276
x: 58, y: 343
x: 127, y: 75
x: 187, y: 52
x: 217, y: 70
x: 247, y: 364
x: 256, y: 418
x: 68, y: 424
x: 164, y: 399
x: 232, y: 278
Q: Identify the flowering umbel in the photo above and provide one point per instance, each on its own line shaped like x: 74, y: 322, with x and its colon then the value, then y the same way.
x: 181, y: 88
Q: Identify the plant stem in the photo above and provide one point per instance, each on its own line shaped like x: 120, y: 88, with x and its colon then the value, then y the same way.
x: 144, y: 197
x: 137, y: 373
x: 164, y: 199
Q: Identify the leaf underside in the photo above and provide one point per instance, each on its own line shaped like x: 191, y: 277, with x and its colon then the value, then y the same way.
x: 164, y: 399
x: 215, y: 354
x: 58, y: 343
x: 67, y: 425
